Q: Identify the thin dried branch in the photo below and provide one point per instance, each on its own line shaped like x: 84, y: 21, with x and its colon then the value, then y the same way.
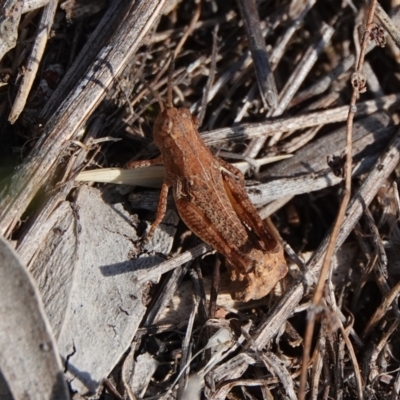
x: 265, y: 79
x: 34, y: 60
x: 382, y: 309
x: 283, y: 42
x: 268, y: 128
x: 166, y: 266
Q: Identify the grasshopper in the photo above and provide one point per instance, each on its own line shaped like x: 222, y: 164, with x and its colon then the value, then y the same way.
x: 211, y: 199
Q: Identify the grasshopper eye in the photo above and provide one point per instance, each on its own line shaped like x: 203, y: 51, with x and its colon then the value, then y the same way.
x: 167, y: 126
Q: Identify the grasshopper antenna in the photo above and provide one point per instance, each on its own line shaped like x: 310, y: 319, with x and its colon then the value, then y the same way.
x: 155, y: 94
x: 158, y: 98
x: 170, y: 81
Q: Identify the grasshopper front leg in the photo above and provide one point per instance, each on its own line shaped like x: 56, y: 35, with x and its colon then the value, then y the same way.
x: 162, y: 202
x: 161, y: 209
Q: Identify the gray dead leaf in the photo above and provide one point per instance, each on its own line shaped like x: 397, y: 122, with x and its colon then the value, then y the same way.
x: 54, y: 264
x: 29, y: 361
x: 85, y: 270
x: 105, y: 307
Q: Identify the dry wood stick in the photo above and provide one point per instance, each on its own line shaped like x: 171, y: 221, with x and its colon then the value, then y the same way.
x: 211, y: 76
x: 155, y: 272
x: 323, y: 84
x: 283, y: 41
x: 33, y: 62
x: 268, y: 128
x: 187, y: 349
x: 265, y: 79
x: 298, y: 76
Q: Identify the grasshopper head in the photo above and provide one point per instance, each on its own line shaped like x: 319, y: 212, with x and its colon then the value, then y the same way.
x: 172, y: 124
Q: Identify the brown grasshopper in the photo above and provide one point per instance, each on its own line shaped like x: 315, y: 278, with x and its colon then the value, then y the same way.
x: 212, y: 201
